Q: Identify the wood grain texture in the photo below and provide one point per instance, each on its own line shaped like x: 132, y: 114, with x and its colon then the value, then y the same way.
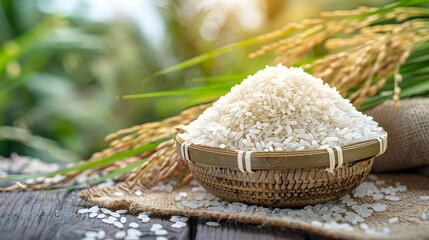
x: 234, y: 230
x: 52, y: 215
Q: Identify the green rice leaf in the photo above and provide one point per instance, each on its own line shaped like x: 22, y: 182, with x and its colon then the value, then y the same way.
x: 415, y: 89
x: 206, y: 56
x: 181, y: 177
x: 189, y: 91
x: 93, y: 164
x: 403, y: 3
x: 257, y: 40
x: 113, y: 174
x: 221, y: 78
x: 413, y: 86
x: 217, y: 52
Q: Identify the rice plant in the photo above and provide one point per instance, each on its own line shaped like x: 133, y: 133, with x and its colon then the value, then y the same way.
x: 369, y: 54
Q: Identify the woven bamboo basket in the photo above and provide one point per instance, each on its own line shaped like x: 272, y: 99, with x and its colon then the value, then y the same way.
x: 281, y: 179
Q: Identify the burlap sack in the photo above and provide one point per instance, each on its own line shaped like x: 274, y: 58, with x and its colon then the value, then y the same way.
x: 408, y: 147
x: 407, y: 209
x: 408, y: 131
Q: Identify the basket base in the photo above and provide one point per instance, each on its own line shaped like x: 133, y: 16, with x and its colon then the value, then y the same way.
x: 282, y: 188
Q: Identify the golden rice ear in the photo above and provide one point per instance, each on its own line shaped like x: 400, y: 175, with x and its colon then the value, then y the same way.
x: 371, y: 52
x: 163, y: 161
x: 365, y: 62
x: 181, y: 128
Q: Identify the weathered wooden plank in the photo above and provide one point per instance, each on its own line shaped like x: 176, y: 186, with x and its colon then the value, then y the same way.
x: 233, y: 230
x: 53, y: 215
x: 27, y: 215
x: 87, y: 223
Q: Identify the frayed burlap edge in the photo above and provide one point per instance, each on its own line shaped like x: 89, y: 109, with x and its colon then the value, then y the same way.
x: 162, y: 203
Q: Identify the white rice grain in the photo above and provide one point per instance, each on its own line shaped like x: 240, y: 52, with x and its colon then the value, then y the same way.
x: 133, y: 225
x: 424, y: 198
x: 101, y: 234
x: 259, y: 115
x: 119, y: 194
x: 161, y: 238
x: 212, y: 224
x: 393, y: 220
x: 108, y: 221
x: 94, y: 209
x: 84, y: 210
x: 120, y: 234
x: 118, y: 224
x: 155, y: 227
x: 134, y: 233
x: 161, y: 232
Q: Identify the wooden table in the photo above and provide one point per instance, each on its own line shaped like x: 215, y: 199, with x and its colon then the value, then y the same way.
x: 53, y: 215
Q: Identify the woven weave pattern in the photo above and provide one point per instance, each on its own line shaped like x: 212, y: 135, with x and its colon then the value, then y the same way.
x: 280, y: 188
x: 408, y: 209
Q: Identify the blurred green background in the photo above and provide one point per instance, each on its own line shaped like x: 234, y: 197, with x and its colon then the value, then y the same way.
x: 65, y: 64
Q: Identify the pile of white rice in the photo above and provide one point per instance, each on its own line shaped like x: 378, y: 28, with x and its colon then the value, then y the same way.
x: 281, y: 109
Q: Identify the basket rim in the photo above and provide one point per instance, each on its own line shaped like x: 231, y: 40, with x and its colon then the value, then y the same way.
x: 219, y: 157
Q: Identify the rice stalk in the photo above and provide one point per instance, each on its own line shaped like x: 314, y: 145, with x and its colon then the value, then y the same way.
x: 371, y: 58
x: 366, y: 59
x: 374, y: 52
x: 374, y: 45
x: 162, y: 162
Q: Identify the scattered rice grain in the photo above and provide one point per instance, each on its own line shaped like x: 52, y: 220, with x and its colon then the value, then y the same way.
x: 108, y: 221
x: 84, y: 210
x: 212, y: 224
x: 119, y: 194
x: 120, y: 234
x: 134, y: 232
x: 393, y: 220
x: 156, y: 227
x: 118, y: 224
x: 161, y: 232
x: 134, y: 225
